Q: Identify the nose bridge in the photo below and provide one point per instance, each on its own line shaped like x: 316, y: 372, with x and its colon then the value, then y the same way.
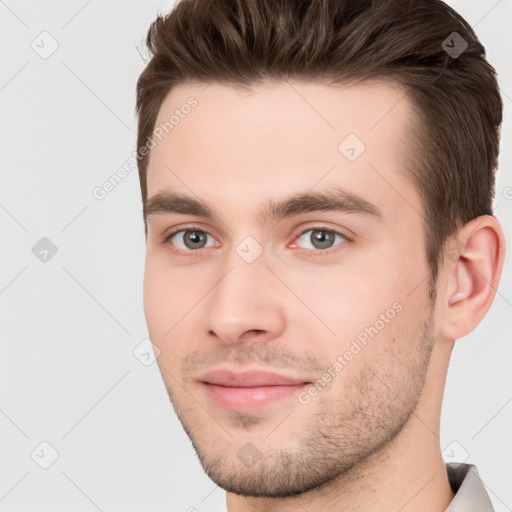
x: 245, y: 299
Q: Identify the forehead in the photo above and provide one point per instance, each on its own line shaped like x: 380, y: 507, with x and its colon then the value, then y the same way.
x: 233, y: 147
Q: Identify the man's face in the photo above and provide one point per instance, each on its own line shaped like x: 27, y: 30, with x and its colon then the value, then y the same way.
x: 293, y: 344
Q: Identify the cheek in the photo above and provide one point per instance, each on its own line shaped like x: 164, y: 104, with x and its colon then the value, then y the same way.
x: 385, y: 353
x: 170, y: 301
x: 367, y: 306
x: 347, y: 298
x: 155, y: 296
x: 166, y: 294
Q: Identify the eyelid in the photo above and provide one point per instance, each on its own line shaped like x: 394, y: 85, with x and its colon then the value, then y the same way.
x: 166, y: 239
x: 321, y: 252
x: 187, y: 227
x: 322, y: 227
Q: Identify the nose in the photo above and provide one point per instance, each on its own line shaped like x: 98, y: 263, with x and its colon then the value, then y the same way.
x: 246, y: 304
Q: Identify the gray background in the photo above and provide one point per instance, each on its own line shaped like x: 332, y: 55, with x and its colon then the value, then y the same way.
x: 69, y: 376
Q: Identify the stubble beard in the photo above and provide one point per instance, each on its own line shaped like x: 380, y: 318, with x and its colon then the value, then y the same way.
x: 343, y: 433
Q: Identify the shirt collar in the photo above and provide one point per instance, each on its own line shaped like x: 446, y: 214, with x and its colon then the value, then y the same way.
x: 470, y: 493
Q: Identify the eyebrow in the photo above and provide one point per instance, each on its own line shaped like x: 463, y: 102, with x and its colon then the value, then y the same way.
x: 336, y: 200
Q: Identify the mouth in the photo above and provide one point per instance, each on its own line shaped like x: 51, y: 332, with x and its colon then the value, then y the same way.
x: 251, y: 390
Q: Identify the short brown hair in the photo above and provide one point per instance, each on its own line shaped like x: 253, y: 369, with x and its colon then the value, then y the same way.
x: 455, y: 143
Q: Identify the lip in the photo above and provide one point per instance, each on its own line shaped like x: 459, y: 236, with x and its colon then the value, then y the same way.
x: 249, y: 390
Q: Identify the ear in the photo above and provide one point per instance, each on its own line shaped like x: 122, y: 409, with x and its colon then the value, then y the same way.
x: 471, y: 272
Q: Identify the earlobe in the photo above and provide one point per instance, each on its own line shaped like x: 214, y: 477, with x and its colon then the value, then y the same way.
x: 471, y: 274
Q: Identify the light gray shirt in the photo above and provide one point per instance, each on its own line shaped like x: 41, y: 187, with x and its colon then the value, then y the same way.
x: 470, y: 493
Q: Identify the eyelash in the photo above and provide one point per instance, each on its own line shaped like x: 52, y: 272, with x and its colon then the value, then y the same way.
x: 166, y: 240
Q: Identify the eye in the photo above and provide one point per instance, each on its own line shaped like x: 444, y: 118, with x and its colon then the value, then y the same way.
x: 321, y: 239
x: 188, y: 239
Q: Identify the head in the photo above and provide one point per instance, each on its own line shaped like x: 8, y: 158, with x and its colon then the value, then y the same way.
x: 316, y: 206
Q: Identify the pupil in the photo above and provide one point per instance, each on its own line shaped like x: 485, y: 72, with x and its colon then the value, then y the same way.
x: 322, y: 239
x: 193, y: 238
